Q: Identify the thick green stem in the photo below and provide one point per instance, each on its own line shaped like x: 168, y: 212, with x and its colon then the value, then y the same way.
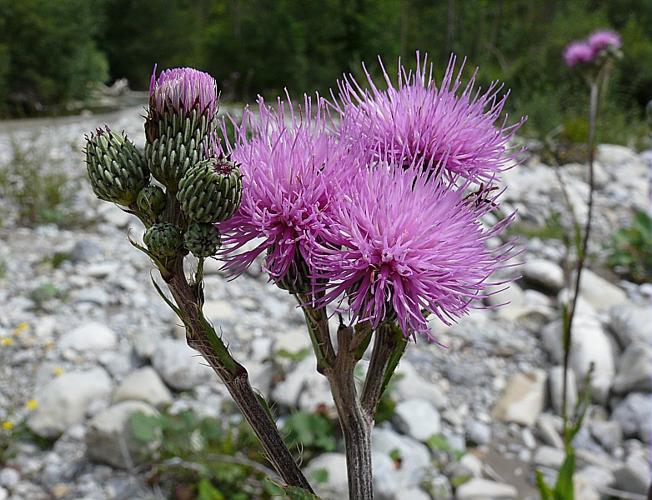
x: 202, y: 337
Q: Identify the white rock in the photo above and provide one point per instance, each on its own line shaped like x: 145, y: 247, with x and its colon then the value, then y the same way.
x: 548, y: 428
x: 590, y: 344
x: 547, y: 456
x: 180, y: 366
x: 545, y: 274
x: 293, y: 341
x: 478, y: 433
x: 336, y: 484
x: 556, y: 383
x: 91, y: 336
x: 417, y: 418
x: 598, y: 477
x: 412, y: 494
x: 4, y: 494
x: 63, y: 401
x: 220, y: 313
x: 143, y: 385
x: 473, y: 464
x: 9, y: 477
x: 634, y: 415
x: 410, y: 385
x: 109, y: 440
x: 608, y: 433
x: 631, y: 322
x: 634, y: 369
x: 634, y: 476
x: 483, y: 489
x: 614, y: 156
x: 600, y: 293
x: 414, y: 459
x: 304, y: 387
x: 523, y: 399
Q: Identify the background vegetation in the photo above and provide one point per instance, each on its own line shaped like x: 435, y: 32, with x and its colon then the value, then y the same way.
x: 52, y: 52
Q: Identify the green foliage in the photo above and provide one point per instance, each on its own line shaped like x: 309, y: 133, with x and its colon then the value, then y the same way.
x: 44, y: 293
x: 630, y: 249
x: 40, y: 193
x: 213, y: 458
x: 48, y: 54
x: 311, y: 432
x: 551, y: 230
x: 437, y: 442
x: 293, y: 355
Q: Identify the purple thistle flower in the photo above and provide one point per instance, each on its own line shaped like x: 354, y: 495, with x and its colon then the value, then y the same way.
x: 181, y: 90
x: 290, y: 166
x: 578, y: 53
x: 603, y: 39
x: 451, y: 127
x: 400, y: 244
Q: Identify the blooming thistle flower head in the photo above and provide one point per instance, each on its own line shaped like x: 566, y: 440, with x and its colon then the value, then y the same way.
x: 182, y: 90
x: 578, y: 53
x: 603, y: 39
x: 290, y: 166
x: 591, y: 49
x: 453, y: 127
x: 400, y: 244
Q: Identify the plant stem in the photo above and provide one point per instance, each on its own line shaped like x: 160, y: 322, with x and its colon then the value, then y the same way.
x: 201, y: 336
x: 380, y: 367
x: 356, y: 423
x: 583, y: 247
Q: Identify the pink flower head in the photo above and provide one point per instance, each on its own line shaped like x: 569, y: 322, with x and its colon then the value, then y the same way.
x: 578, y: 53
x: 401, y: 244
x: 603, y: 39
x: 290, y: 166
x: 455, y: 128
x: 182, y: 90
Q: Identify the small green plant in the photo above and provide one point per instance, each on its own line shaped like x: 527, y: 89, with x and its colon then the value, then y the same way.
x: 37, y: 191
x: 437, y: 442
x: 44, y: 293
x: 213, y: 459
x: 630, y: 249
x: 552, y: 229
x: 310, y: 432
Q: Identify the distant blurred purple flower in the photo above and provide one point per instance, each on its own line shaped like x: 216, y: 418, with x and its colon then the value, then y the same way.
x: 290, y: 167
x: 450, y: 127
x: 400, y: 244
x: 181, y: 90
x: 603, y: 39
x: 578, y: 53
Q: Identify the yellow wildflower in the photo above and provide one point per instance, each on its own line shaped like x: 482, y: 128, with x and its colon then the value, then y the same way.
x: 57, y: 371
x: 6, y: 341
x: 7, y: 425
x: 32, y: 404
x: 20, y: 328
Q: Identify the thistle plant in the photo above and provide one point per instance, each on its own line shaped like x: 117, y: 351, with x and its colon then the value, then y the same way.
x: 593, y: 57
x: 367, y: 207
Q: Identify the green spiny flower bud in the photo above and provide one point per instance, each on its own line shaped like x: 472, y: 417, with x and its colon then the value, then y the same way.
x: 151, y: 200
x: 211, y: 190
x: 115, y: 167
x: 202, y: 240
x: 180, y: 142
x: 164, y: 239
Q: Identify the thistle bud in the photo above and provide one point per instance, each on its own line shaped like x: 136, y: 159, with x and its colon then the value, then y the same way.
x: 297, y: 277
x: 163, y: 240
x: 115, y: 167
x: 180, y: 126
x: 202, y: 240
x: 151, y: 200
x: 211, y: 190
